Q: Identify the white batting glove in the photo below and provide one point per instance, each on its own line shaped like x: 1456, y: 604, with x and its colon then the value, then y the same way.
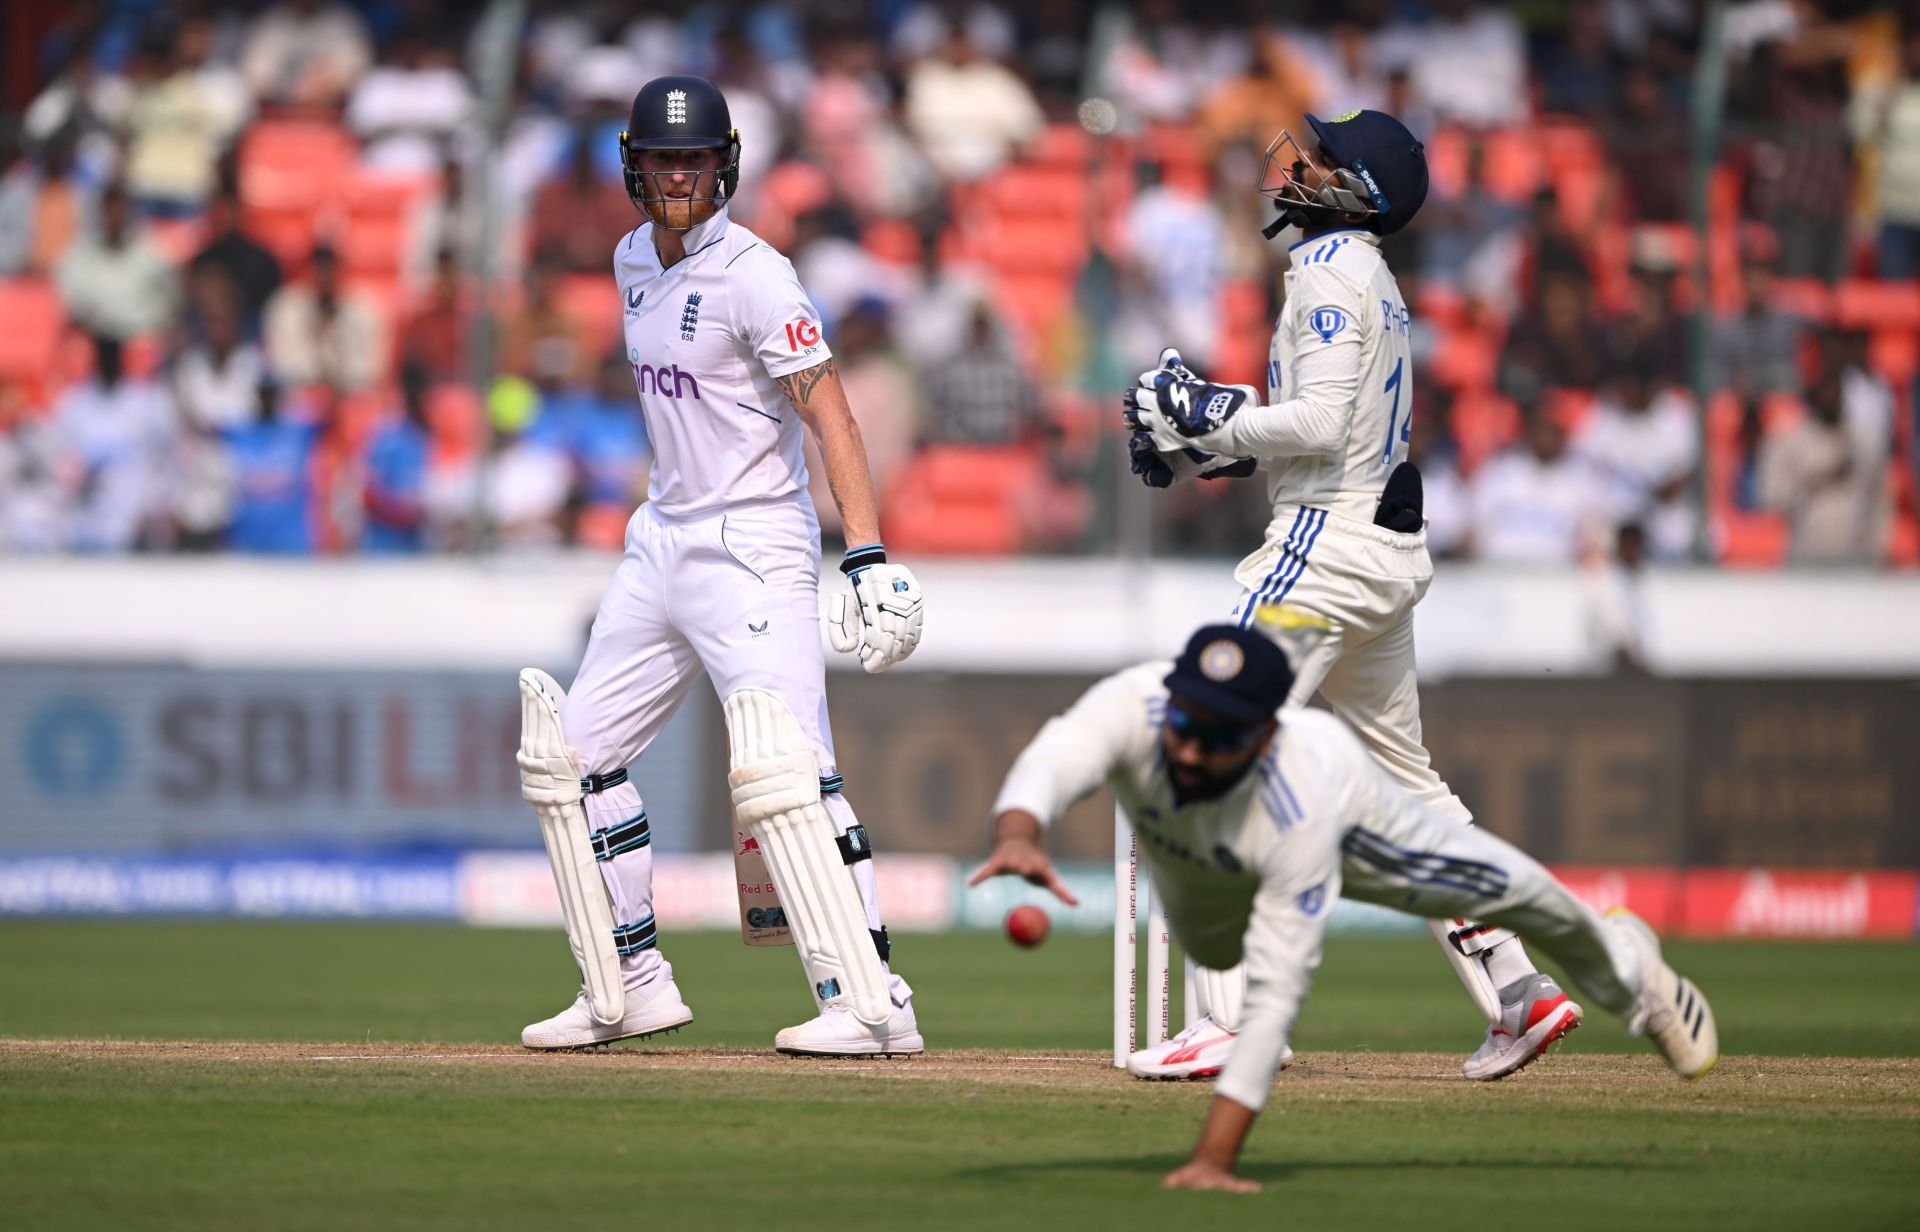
x: 883, y: 622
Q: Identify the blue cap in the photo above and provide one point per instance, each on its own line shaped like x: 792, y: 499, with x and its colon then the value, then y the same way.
x: 1389, y: 160
x: 1240, y: 674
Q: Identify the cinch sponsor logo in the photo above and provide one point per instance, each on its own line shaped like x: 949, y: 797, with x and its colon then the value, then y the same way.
x: 668, y: 380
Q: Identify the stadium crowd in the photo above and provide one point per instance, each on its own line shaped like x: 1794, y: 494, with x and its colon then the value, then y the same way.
x: 250, y: 299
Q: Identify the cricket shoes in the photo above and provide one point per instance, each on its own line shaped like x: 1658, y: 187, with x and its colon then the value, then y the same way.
x: 1533, y: 1014
x: 1670, y: 1011
x: 659, y: 1010
x: 1197, y: 1052
x: 837, y: 1033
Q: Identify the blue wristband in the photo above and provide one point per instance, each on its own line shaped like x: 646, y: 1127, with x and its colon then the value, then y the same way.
x: 862, y: 557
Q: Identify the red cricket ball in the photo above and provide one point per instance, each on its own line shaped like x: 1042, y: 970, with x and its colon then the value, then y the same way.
x: 1027, y: 926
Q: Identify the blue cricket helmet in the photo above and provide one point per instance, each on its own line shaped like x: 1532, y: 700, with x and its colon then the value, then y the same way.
x: 1389, y: 162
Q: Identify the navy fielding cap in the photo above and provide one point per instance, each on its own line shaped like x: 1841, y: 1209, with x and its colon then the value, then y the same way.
x: 1389, y: 160
x: 1239, y: 674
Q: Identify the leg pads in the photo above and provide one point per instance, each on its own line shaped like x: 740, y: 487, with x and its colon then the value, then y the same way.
x: 775, y: 779
x: 551, y: 781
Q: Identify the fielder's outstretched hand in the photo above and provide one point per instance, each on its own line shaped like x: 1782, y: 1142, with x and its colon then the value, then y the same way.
x: 1208, y: 1177
x: 883, y: 622
x: 1016, y: 853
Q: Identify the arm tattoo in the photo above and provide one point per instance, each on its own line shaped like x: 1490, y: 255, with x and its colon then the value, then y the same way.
x: 798, y: 386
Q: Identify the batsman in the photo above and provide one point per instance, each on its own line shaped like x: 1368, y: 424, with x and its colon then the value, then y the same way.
x: 720, y: 578
x: 1347, y: 543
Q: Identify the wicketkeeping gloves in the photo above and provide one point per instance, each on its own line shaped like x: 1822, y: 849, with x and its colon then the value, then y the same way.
x: 883, y: 623
x: 1174, y: 407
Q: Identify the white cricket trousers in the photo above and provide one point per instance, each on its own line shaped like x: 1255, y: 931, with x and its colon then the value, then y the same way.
x: 1365, y: 580
x: 734, y: 596
x: 1421, y: 863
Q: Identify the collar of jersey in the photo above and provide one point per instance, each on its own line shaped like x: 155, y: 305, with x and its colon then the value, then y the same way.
x: 699, y: 238
x: 1362, y: 232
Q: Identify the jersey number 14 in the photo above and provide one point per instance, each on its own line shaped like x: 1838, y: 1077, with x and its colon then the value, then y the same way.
x: 1393, y: 416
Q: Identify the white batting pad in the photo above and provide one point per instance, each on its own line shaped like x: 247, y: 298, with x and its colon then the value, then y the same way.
x: 775, y: 777
x: 550, y: 781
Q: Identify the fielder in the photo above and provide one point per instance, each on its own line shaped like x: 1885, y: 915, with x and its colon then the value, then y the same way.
x: 1347, y: 542
x: 1253, y: 824
x: 720, y: 576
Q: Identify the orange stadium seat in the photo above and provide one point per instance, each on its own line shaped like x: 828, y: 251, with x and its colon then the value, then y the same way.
x: 1054, y: 246
x: 1063, y: 145
x: 374, y: 246
x: 1483, y: 425
x: 1865, y: 303
x: 32, y: 319
x: 594, y: 301
x: 1895, y: 355
x: 1752, y: 540
x: 294, y: 161
x: 961, y: 500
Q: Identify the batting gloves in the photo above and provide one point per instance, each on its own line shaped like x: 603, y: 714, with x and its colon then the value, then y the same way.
x: 883, y: 623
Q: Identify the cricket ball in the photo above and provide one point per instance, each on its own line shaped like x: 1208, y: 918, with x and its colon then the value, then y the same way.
x: 1027, y: 926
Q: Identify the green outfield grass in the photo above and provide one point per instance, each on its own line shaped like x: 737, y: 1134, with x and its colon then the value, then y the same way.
x: 257, y: 1128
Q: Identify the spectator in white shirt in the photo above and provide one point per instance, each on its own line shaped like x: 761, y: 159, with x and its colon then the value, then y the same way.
x: 113, y: 435
x: 407, y: 109
x: 184, y: 112
x: 1644, y: 443
x: 216, y: 378
x: 305, y: 52
x: 970, y: 114
x: 521, y: 487
x: 1536, y: 503
x: 34, y: 512
x: 318, y: 333
x: 1177, y: 239
x: 117, y: 284
x: 1617, y: 604
x: 1468, y: 63
x: 1831, y: 487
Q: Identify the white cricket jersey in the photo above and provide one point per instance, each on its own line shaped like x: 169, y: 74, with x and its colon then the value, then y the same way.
x: 1250, y: 875
x: 706, y: 340
x: 1339, y: 383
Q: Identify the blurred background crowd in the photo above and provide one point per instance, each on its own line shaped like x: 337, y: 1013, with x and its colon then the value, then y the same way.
x: 309, y: 277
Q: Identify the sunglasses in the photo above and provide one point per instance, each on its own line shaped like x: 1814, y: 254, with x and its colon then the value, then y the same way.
x: 1211, y: 735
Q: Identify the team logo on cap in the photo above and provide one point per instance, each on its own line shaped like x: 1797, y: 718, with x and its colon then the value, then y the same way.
x: 676, y: 106
x: 1222, y: 660
x: 1342, y: 119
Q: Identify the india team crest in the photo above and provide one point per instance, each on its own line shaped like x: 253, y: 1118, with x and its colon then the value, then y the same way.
x: 1222, y: 660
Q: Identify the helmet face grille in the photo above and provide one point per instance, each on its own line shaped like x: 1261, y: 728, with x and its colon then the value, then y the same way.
x: 1307, y: 194
x: 725, y: 181
x: 679, y: 113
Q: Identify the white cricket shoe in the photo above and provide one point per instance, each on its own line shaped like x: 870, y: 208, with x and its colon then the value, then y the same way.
x: 837, y: 1033
x: 1670, y: 1011
x: 1197, y: 1052
x: 648, y: 1012
x: 1533, y: 1014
